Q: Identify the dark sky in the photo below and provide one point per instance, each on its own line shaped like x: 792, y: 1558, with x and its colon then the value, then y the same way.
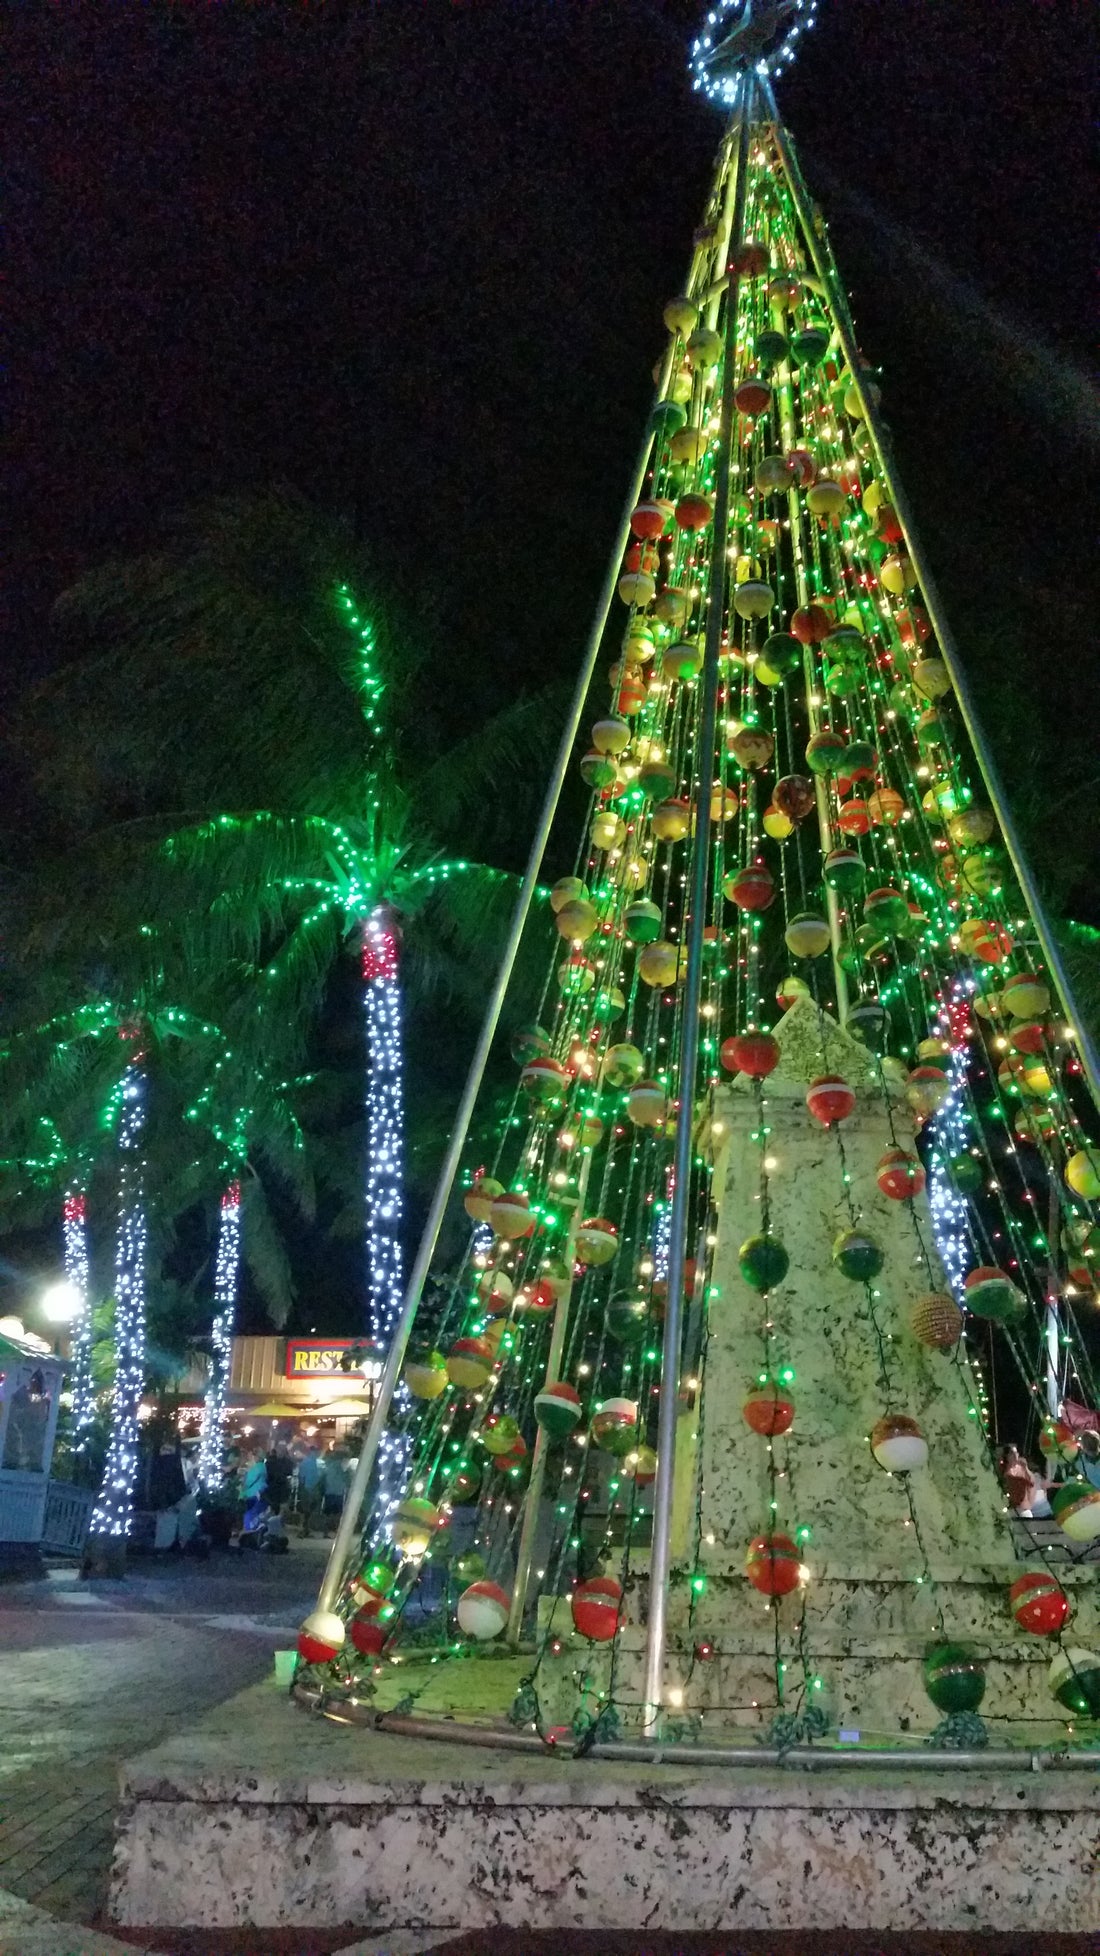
x: 410, y: 257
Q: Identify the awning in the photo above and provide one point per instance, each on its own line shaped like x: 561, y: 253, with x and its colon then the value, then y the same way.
x: 325, y: 1409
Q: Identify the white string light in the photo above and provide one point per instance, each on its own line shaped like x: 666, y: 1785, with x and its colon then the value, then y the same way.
x: 725, y: 48
x: 226, y: 1268
x: 481, y: 1242
x: 113, y: 1509
x: 662, y: 1235
x: 385, y: 1195
x: 950, y: 1213
x: 74, y: 1227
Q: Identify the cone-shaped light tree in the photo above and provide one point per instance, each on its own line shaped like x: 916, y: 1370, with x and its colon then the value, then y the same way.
x: 801, y: 972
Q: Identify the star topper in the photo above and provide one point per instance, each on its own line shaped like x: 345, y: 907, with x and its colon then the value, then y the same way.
x: 747, y: 34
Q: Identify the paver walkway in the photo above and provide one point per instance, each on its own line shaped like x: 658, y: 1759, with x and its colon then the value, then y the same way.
x: 92, y: 1673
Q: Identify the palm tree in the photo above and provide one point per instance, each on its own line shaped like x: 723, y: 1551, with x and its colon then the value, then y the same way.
x: 252, y: 822
x: 180, y: 1110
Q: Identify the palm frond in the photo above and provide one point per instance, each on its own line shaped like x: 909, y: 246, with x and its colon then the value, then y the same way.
x: 264, y: 1253
x: 228, y: 655
x: 468, y: 790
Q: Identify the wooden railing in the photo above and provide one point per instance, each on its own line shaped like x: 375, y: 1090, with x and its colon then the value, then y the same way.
x: 68, y: 1511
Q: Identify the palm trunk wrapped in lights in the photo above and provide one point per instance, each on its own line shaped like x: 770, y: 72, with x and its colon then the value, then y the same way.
x: 113, y: 1511
x: 226, y: 1270
x: 385, y: 1156
x: 75, y: 1238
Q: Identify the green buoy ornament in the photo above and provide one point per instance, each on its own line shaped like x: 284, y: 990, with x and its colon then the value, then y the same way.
x: 869, y: 1024
x: 809, y: 346
x: 763, y: 1261
x: 846, y: 645
x: 668, y: 417
x: 860, y: 761
x: 857, y: 1255
x: 642, y: 921
x: 558, y: 1409
x: 825, y: 752
x: 886, y: 912
x: 781, y: 653
x: 1074, y: 1678
x: 954, y: 1677
x: 844, y: 870
x: 991, y: 1293
x: 627, y: 1318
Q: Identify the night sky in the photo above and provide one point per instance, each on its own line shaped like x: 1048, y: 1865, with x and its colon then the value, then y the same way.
x: 409, y: 257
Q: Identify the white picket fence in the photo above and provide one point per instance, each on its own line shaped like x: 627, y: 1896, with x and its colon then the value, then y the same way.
x: 68, y: 1511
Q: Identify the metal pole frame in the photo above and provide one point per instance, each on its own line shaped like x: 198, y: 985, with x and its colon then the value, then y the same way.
x: 813, y: 713
x: 660, y: 1551
x: 826, y: 271
x: 526, y: 1550
x: 349, y: 1519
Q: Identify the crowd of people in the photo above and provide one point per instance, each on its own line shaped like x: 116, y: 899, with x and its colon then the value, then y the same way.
x: 302, y: 1483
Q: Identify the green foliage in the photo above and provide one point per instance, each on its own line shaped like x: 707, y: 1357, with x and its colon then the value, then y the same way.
x: 221, y: 809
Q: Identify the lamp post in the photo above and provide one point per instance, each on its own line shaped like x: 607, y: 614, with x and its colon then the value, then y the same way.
x: 59, y: 1303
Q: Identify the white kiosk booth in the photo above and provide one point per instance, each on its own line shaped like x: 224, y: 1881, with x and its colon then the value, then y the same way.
x: 30, y: 1396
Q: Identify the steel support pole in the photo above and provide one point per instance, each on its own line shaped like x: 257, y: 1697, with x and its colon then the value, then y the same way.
x: 1052, y: 1324
x: 821, y: 793
x: 689, y: 1044
x: 526, y: 1550
x: 349, y: 1520
x: 1090, y: 1059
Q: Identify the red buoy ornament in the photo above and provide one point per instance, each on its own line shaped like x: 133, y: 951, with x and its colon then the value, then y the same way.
x: 1039, y: 1603
x: 595, y: 1605
x: 830, y: 1099
x: 754, y: 1053
x: 773, y: 1565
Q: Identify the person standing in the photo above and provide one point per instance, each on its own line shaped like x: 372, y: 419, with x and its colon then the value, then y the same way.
x: 310, y: 1488
x: 254, y: 1482
x: 279, y: 1470
x: 335, y: 1468
x: 1025, y: 1492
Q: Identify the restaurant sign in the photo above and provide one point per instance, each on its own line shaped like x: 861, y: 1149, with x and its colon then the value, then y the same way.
x: 320, y: 1358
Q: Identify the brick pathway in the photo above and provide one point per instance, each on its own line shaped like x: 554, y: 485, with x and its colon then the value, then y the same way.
x: 91, y: 1674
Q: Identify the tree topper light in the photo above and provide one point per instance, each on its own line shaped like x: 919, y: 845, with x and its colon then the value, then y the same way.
x: 743, y: 34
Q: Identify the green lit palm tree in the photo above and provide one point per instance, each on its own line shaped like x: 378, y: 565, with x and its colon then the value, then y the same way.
x: 139, y: 1112
x: 260, y: 825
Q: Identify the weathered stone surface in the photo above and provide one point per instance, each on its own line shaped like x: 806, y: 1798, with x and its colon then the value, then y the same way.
x: 254, y: 1819
x: 892, y: 1562
x: 851, y: 1362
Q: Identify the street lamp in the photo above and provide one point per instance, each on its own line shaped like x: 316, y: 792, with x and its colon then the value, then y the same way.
x: 61, y: 1302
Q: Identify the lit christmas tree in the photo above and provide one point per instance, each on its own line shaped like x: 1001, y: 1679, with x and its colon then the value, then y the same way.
x: 802, y: 1134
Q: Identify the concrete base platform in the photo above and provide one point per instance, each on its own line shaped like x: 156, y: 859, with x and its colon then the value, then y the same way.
x: 264, y: 1815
